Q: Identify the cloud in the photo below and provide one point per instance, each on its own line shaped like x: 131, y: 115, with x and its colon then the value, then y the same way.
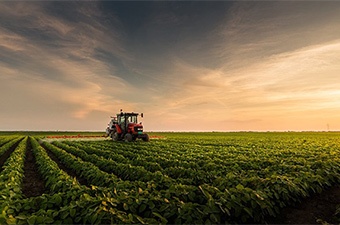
x: 299, y: 83
x: 243, y: 65
x: 60, y: 74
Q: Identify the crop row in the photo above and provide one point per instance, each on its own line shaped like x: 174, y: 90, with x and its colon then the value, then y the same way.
x: 316, y: 166
x: 7, y: 143
x: 122, y: 170
x: 67, y: 201
x: 206, y: 173
x: 11, y: 179
x: 5, y: 139
x: 280, y: 176
x: 233, y: 157
x: 186, y: 203
x: 140, y: 198
x: 203, y: 180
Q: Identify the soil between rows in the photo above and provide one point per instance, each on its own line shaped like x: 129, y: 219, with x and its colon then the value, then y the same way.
x: 33, y: 183
x: 316, y: 209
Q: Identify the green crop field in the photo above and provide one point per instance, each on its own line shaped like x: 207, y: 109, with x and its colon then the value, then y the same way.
x: 176, y: 178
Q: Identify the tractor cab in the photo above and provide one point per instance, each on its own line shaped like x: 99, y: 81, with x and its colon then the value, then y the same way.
x: 126, y: 119
x: 126, y: 127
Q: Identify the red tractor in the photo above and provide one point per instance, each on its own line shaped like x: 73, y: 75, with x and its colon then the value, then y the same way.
x: 126, y: 127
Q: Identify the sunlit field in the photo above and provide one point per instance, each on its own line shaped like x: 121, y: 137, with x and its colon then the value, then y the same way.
x: 176, y: 178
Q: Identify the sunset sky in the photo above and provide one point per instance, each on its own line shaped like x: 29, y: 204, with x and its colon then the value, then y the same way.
x: 188, y: 66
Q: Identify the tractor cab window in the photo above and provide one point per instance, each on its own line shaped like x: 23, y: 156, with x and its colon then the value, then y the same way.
x: 132, y: 119
x: 121, y: 120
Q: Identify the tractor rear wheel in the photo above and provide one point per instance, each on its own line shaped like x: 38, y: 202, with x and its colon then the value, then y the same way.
x: 146, y: 138
x: 128, y: 137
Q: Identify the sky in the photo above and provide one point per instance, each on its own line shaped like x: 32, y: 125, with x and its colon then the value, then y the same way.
x: 188, y: 66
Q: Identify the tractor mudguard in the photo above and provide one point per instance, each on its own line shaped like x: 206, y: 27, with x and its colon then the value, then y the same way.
x: 118, y: 129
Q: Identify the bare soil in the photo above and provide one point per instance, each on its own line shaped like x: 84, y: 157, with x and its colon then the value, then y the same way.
x: 316, y: 209
x: 33, y: 183
x: 157, y: 137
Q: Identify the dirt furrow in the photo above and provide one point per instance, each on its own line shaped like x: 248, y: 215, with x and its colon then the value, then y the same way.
x: 33, y: 183
x: 316, y: 209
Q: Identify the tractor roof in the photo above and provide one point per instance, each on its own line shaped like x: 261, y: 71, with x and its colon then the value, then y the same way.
x: 128, y: 114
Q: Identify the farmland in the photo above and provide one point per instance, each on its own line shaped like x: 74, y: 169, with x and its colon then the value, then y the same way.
x: 176, y: 178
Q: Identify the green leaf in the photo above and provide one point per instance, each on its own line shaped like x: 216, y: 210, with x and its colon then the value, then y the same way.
x: 151, y: 204
x: 10, y: 211
x: 11, y: 220
x: 21, y: 217
x: 93, y: 218
x: 48, y: 220
x: 68, y: 220
x: 77, y: 219
x: 31, y: 220
x: 72, y: 212
x: 249, y: 211
x: 140, y: 219
x: 2, y: 219
x: 142, y: 207
x: 64, y: 214
x: 239, y: 187
x: 58, y: 199
x: 125, y: 206
x: 40, y: 219
x: 164, y: 221
x: 214, y: 218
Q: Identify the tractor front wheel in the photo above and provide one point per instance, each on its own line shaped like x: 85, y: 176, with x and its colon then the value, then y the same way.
x: 128, y: 137
x: 115, y: 136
